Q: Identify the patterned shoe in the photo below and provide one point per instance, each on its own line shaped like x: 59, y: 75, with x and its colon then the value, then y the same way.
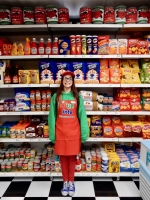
x: 71, y: 188
x: 65, y: 190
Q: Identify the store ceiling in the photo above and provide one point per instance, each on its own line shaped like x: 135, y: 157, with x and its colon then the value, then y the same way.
x: 74, y: 5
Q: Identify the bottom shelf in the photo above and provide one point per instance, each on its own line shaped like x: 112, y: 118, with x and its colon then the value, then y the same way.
x: 77, y: 174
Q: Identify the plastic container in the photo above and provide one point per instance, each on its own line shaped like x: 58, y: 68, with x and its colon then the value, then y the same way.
x: 48, y: 49
x: 41, y: 47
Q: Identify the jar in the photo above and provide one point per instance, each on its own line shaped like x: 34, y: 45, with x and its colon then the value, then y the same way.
x: 36, y: 162
x: 43, y: 95
x: 43, y: 167
x: 48, y: 95
x: 83, y: 166
x: 131, y: 16
x: 44, y: 105
x: 63, y: 16
x: 28, y: 15
x: 40, y: 15
x: 44, y: 155
x: 33, y: 105
x: 120, y: 15
x: 98, y: 158
x: 22, y: 154
x: 14, y: 165
x: 28, y: 154
x: 32, y: 95
x: 98, y: 167
x: 88, y: 167
x: 85, y: 15
x: 32, y: 152
x: 36, y: 168
x: 16, y: 153
x: 109, y: 15
x: 30, y: 166
x: 37, y: 95
x: 38, y: 105
x: 4, y: 15
x: 12, y: 154
x: 16, y: 15
x: 93, y: 167
x: 93, y: 157
x: 25, y: 166
x: 7, y: 155
x: 19, y: 165
x: 98, y: 15
x: 3, y: 166
x: 47, y: 105
x: 142, y: 15
x: 8, y: 167
x: 22, y: 132
x: 52, y: 14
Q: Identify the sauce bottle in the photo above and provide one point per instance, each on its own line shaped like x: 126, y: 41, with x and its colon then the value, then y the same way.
x: 78, y: 164
x: 41, y: 49
x: 55, y: 46
x: 7, y: 76
x: 27, y: 47
x: 48, y: 50
x: 34, y: 48
x: 15, y: 78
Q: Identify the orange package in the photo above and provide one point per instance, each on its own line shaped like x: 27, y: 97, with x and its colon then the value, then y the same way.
x: 142, y: 47
x: 118, y: 130
x: 132, y: 46
x: 146, y: 130
x: 124, y: 105
x: 106, y: 120
x: 116, y: 120
x: 124, y: 93
x: 134, y: 93
x: 115, y: 76
x: 113, y: 63
x: 113, y: 46
x: 136, y: 129
x: 127, y: 129
x: 108, y: 132
x: 122, y: 46
x: 104, y: 76
x: 103, y: 45
x: 104, y: 63
x: 135, y: 105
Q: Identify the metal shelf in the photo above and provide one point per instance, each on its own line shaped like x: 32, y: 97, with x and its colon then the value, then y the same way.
x: 23, y: 85
x: 90, y: 85
x: 23, y: 57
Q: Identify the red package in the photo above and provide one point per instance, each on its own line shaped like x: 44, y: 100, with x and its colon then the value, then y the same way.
x: 116, y: 120
x: 135, y: 105
x: 124, y: 93
x: 146, y: 130
x: 107, y: 120
x: 118, y: 130
x: 136, y: 129
x: 134, y: 93
x: 142, y: 47
x: 132, y: 46
x: 124, y: 105
x: 108, y: 132
x: 127, y: 129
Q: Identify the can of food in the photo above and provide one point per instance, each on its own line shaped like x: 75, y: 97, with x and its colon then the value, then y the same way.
x: 149, y: 15
x: 89, y: 44
x: 131, y: 16
x: 98, y: 15
x: 73, y: 44
x: 63, y: 16
x: 83, y: 50
x: 147, y: 37
x: 40, y: 15
x: 78, y: 45
x: 142, y: 15
x: 4, y: 15
x: 95, y: 44
x: 52, y: 14
x: 28, y: 15
x: 120, y: 14
x: 85, y: 15
x: 16, y: 15
x: 109, y: 15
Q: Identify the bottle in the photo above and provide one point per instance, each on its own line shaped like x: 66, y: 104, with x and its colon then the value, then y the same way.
x: 15, y: 78
x: 27, y: 47
x: 55, y: 46
x: 41, y: 49
x: 34, y: 48
x: 7, y: 76
x: 48, y: 50
x: 78, y: 164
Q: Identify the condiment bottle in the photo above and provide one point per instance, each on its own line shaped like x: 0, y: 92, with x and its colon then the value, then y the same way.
x: 27, y: 47
x: 78, y: 165
x: 34, y: 47
x: 48, y: 50
x: 7, y: 77
x: 41, y: 48
x: 55, y: 46
x: 15, y: 78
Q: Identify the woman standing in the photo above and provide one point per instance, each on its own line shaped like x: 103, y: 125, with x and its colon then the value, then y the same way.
x: 68, y: 128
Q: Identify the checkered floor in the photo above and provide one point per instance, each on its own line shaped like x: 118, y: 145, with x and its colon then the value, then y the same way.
x: 41, y: 188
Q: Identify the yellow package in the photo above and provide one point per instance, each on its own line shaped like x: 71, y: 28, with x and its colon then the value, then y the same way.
x: 89, y: 121
x: 14, y: 49
x: 134, y: 64
x: 109, y: 146
x: 124, y: 63
x: 34, y: 76
x: 24, y: 77
x: 135, y: 78
x: 114, y: 165
x: 20, y: 49
x: 126, y: 76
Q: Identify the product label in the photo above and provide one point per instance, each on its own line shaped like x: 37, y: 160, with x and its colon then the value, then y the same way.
x: 33, y: 51
x: 41, y: 50
x: 48, y: 50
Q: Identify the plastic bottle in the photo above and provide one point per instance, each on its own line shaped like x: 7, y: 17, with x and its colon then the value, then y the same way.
x: 7, y: 76
x: 41, y: 48
x: 34, y: 47
x: 15, y: 78
x: 27, y: 47
x: 48, y: 50
x: 78, y: 165
x: 55, y: 46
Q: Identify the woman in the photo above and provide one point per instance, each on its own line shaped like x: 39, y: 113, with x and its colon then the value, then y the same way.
x: 68, y: 128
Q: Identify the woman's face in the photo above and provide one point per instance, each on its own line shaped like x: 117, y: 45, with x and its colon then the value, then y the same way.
x: 67, y: 81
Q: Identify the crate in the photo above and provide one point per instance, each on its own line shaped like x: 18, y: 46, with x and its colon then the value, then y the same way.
x: 144, y: 181
x: 145, y: 153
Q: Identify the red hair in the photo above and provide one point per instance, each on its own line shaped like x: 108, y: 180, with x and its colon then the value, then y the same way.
x: 61, y: 88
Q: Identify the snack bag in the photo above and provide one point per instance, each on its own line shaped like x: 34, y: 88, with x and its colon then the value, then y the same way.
x: 113, y: 46
x: 103, y: 45
x: 127, y: 129
x: 146, y: 92
x: 33, y: 76
x: 146, y: 104
x: 142, y: 47
x: 124, y: 105
x: 135, y: 105
x: 122, y: 46
x: 115, y: 76
x: 136, y: 129
x: 126, y: 76
x: 96, y: 130
x: 145, y: 63
x: 118, y: 130
x: 142, y: 118
x: 104, y: 76
x: 108, y: 132
x: 92, y: 72
x: 134, y: 93
x: 115, y: 106
x: 96, y: 120
x: 64, y: 45
x: 132, y: 46
x: 116, y: 120
x: 113, y: 63
x: 23, y: 76
x: 124, y: 93
x: 136, y: 78
x: 124, y: 63
x: 142, y: 76
x: 147, y: 75
x: 106, y: 120
x: 134, y: 64
x: 104, y: 63
x: 146, y: 130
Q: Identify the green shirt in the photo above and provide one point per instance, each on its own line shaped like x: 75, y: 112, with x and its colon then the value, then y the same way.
x: 81, y: 115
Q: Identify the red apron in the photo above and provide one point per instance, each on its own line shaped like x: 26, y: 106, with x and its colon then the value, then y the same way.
x: 68, y: 139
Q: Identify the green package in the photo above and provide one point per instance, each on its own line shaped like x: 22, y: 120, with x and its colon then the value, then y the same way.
x: 147, y: 75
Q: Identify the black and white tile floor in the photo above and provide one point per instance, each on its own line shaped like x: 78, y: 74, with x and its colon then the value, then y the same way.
x: 41, y: 188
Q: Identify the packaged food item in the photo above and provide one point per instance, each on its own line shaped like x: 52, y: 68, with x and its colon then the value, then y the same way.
x: 28, y: 15
x: 106, y: 120
x: 124, y: 93
x: 89, y: 45
x: 104, y: 63
x: 146, y: 104
x: 135, y: 93
x: 64, y: 45
x: 136, y: 129
x: 113, y: 63
x: 133, y: 46
x: 22, y: 94
x: 51, y: 14
x: 114, y: 164
x: 1, y: 77
x: 115, y: 76
x: 92, y: 72
x: 122, y: 46
x: 127, y: 129
x: 98, y: 15
x: 142, y: 47
x: 96, y: 130
x: 136, y: 78
x: 134, y: 65
x: 142, y: 15
x: 22, y: 106
x: 135, y: 105
x: 91, y: 105
x: 79, y: 70
x: 116, y: 120
x: 131, y: 15
x: 103, y: 45
x: 115, y: 106
x: 142, y: 76
x: 124, y: 63
x: 83, y: 44
x: 113, y: 46
x: 33, y: 76
x: 146, y: 130
x: 126, y: 76
x: 85, y: 15
x: 124, y: 105
x: 95, y: 44
x: 147, y: 75
x: 108, y: 131
x: 63, y: 16
x: 109, y: 15
x: 23, y: 77
x: 46, y: 70
x: 73, y: 44
x: 60, y: 68
x: 88, y: 95
x: 104, y: 76
x: 146, y: 92
x: 40, y: 15
x: 78, y: 45
x: 4, y: 15
x: 120, y: 14
x: 16, y: 15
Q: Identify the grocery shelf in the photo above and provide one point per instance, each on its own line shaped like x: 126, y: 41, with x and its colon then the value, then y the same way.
x: 136, y: 25
x: 102, y: 139
x: 90, y: 85
x: 132, y: 56
x: 24, y: 140
x: 23, y: 57
x: 25, y: 113
x: 24, y: 174
x: 85, y: 56
x: 23, y: 85
x: 130, y: 139
x: 135, y: 85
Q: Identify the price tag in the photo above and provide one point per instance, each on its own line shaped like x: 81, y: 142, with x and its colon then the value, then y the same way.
x: 17, y: 140
x: 45, y: 112
x: 9, y: 86
x: 95, y: 139
x: 83, y: 56
x: 102, y: 56
x: 42, y: 56
x: 105, y: 174
x: 75, y: 56
x: 39, y: 139
x: 118, y: 56
x: 96, y: 174
x: 25, y: 174
x: 29, y: 85
x: 16, y: 174
x: 83, y: 174
x: 110, y: 85
x: 91, y: 56
x: 65, y: 56
x: 8, y: 113
x: 48, y: 139
x: 31, y: 140
x: 21, y: 113
x: 132, y: 85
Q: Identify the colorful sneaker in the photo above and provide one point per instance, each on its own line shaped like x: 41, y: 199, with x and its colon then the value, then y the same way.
x: 65, y: 190
x: 71, y: 188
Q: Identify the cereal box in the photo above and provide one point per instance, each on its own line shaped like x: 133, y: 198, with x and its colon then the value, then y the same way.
x: 132, y: 46
x: 46, y: 69
x: 114, y: 63
x: 33, y: 76
x: 79, y: 70
x: 92, y: 72
x: 23, y: 77
x: 142, y: 47
x: 104, y: 63
x: 60, y: 68
x: 113, y: 46
x: 103, y: 45
x: 122, y: 46
x: 115, y: 76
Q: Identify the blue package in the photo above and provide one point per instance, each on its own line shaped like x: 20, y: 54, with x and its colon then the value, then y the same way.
x: 92, y: 72
x: 79, y: 70
x: 23, y: 106
x: 64, y: 45
x: 60, y: 68
x: 22, y: 94
x: 46, y: 70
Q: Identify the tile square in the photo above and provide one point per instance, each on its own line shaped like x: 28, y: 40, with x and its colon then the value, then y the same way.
x: 59, y: 198
x: 135, y: 178
x: 82, y: 178
x: 104, y: 189
x: 83, y: 198
x: 122, y: 179
x: 13, y: 192
x: 6, y: 179
x: 107, y: 198
x: 84, y: 189
x: 137, y: 184
x: 23, y: 179
x: 40, y: 178
x: 58, y: 179
x: 55, y: 190
x: 126, y: 189
x: 3, y: 187
x: 12, y: 198
x: 39, y: 189
x: 35, y: 198
x: 102, y: 179
x: 131, y: 198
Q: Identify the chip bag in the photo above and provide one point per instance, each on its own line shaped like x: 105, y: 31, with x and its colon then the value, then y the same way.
x: 118, y: 130
x: 104, y: 63
x: 134, y: 64
x: 115, y: 76
x: 134, y: 93
x: 127, y: 129
x: 113, y: 63
x: 104, y: 76
x: 124, y: 105
x: 136, y: 78
x: 135, y: 105
x: 125, y: 93
x: 106, y: 120
x: 108, y: 132
x: 126, y: 76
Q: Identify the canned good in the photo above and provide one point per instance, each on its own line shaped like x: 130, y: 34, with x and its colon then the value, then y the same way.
x: 40, y: 15
x: 95, y: 44
x: 4, y: 15
x: 120, y: 15
x: 131, y: 16
x: 149, y: 15
x: 78, y: 45
x: 109, y: 15
x: 52, y: 14
x: 83, y: 50
x: 85, y: 15
x: 28, y: 15
x: 142, y: 15
x: 16, y: 15
x: 73, y: 44
x: 98, y: 15
x: 89, y: 44
x: 63, y: 16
